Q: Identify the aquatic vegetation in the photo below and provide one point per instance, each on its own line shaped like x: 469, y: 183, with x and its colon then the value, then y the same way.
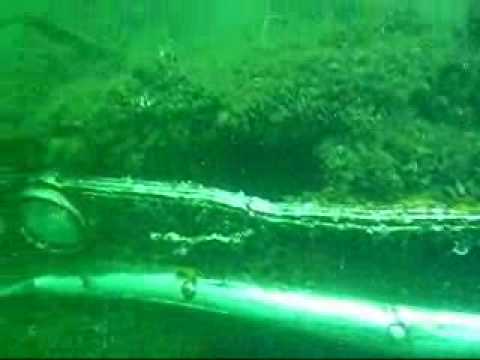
x: 345, y: 119
x: 349, y: 114
x: 440, y: 104
x: 359, y: 169
x: 404, y: 21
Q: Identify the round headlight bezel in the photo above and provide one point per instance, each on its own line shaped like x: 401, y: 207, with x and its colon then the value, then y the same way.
x: 51, y: 196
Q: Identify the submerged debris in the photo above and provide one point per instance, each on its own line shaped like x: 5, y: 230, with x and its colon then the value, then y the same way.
x: 60, y: 35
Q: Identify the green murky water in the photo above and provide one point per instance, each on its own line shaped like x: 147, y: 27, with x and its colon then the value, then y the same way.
x: 327, y: 147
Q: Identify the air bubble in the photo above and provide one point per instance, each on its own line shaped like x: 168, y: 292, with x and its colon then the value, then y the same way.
x: 397, y: 331
x: 461, y: 248
x: 188, y: 290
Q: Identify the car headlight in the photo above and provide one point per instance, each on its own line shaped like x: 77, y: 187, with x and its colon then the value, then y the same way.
x: 49, y: 221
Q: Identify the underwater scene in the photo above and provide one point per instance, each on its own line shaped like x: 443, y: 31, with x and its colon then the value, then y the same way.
x: 240, y: 179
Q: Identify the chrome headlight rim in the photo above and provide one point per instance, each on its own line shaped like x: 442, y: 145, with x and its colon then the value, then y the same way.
x: 53, y: 196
